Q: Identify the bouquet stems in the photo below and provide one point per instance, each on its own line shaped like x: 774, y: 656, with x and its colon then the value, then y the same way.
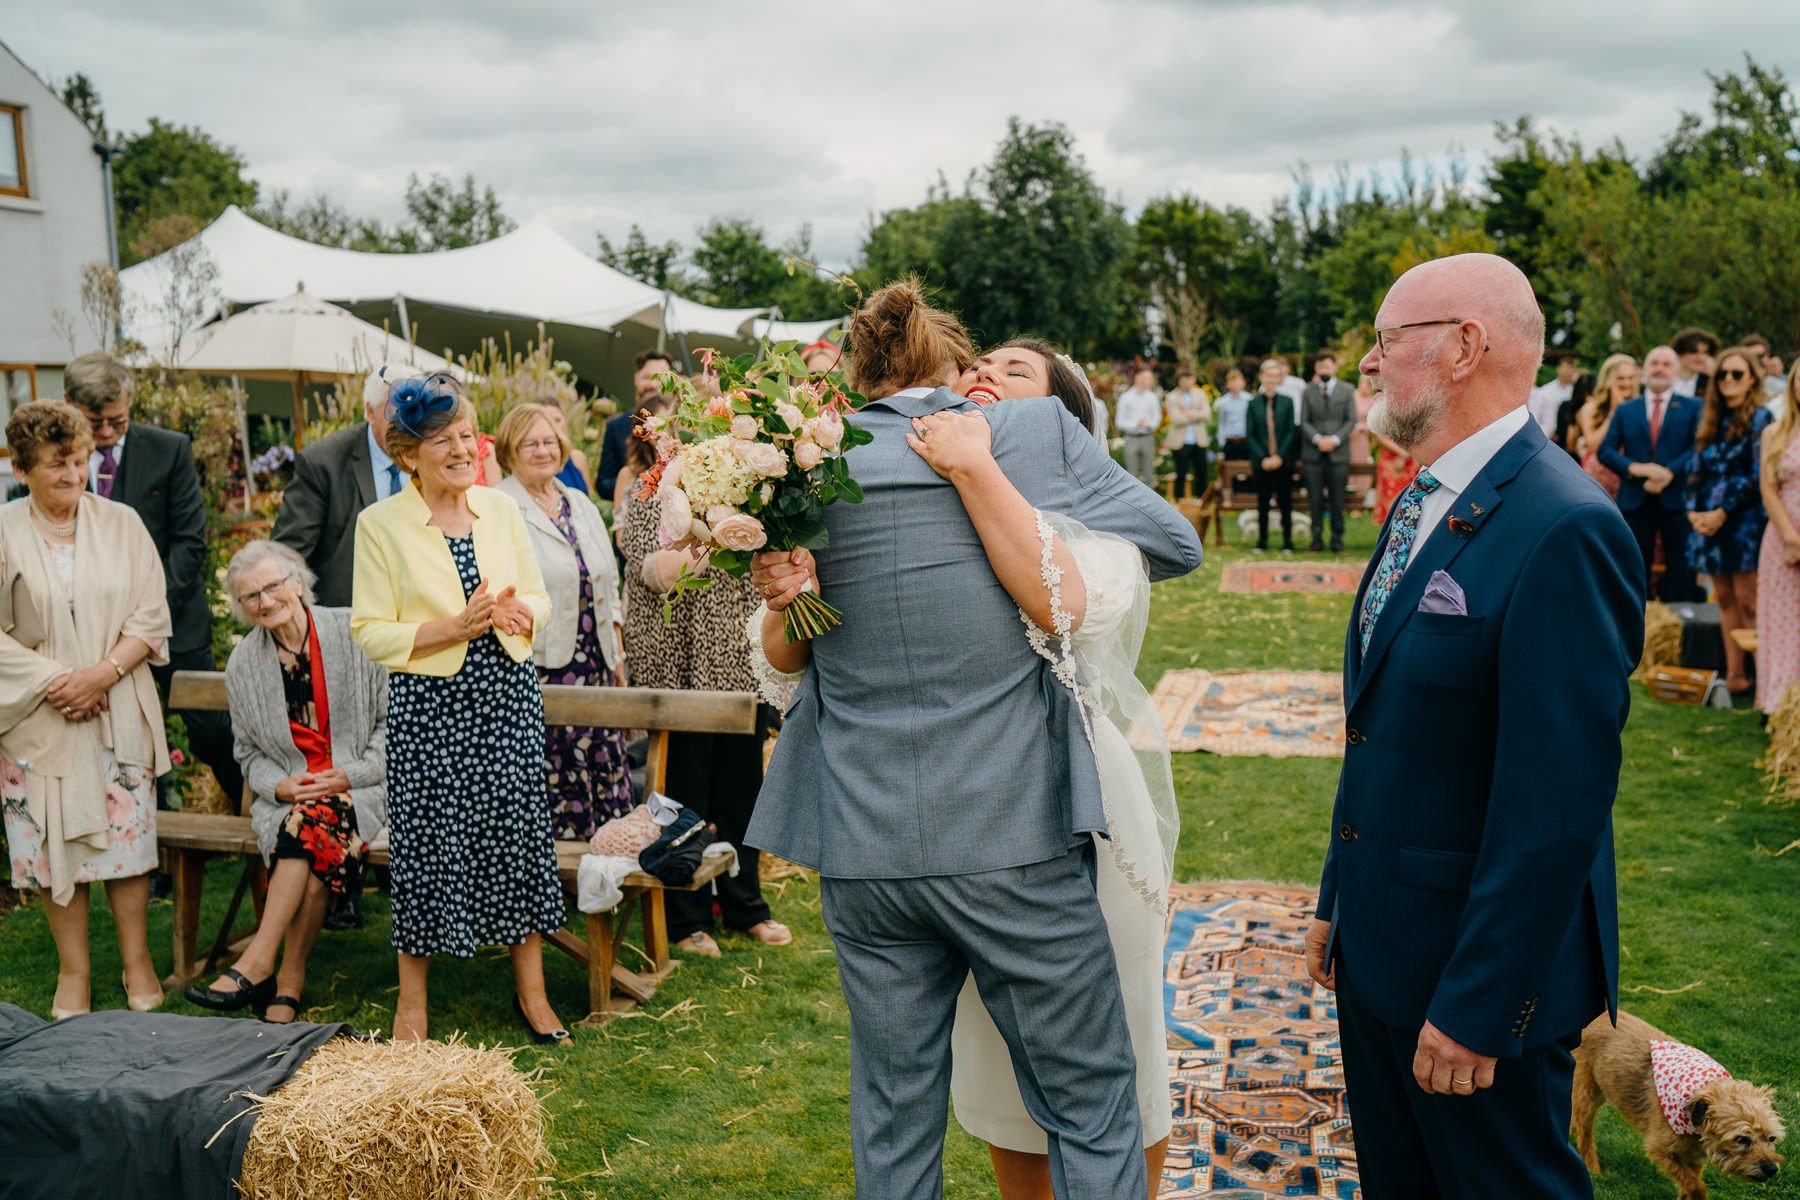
x: 807, y: 616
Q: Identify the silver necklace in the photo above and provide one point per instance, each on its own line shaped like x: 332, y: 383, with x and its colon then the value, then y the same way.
x: 52, y: 527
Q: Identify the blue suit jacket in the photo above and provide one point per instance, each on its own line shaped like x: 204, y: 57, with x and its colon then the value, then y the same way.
x: 1470, y: 874
x: 1627, y: 441
x: 926, y: 737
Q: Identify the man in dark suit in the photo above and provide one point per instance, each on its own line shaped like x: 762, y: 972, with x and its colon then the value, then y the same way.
x: 617, y: 433
x: 152, y: 471
x: 1327, y: 417
x: 334, y: 480
x: 1650, y: 446
x: 1467, y: 912
x: 1273, y: 435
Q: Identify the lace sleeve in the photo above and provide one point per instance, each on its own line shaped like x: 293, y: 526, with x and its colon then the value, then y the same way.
x: 775, y: 687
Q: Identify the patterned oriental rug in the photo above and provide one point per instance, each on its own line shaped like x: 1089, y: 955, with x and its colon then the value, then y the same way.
x: 1277, y: 714
x: 1257, y: 1085
x: 1292, y: 577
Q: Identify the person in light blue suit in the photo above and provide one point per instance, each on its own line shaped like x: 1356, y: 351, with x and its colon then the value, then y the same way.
x: 1467, y: 911
x: 935, y: 772
x: 1649, y: 445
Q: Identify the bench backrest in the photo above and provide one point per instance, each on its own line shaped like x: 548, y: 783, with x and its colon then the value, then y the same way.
x: 658, y: 711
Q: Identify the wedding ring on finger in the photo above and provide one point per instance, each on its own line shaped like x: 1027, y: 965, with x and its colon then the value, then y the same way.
x: 1460, y: 1084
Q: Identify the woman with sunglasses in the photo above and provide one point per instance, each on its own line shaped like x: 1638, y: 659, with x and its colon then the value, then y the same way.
x: 1724, y: 498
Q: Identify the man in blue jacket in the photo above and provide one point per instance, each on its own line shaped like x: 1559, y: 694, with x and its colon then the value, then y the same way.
x: 1650, y: 446
x: 1467, y: 913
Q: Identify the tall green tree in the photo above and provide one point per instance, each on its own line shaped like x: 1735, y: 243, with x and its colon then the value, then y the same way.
x: 319, y: 220
x: 169, y: 171
x: 736, y: 267
x: 1207, y: 270
x: 1042, y: 250
x: 83, y: 99
x: 655, y: 263
x: 441, y: 215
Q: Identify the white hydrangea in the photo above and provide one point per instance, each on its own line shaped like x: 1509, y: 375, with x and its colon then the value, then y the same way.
x: 711, y: 474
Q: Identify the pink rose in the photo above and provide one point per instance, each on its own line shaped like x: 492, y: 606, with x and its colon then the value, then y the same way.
x: 762, y: 458
x: 677, y: 515
x: 793, y: 416
x: 828, y: 429
x: 807, y: 455
x: 740, y: 531
x: 700, y: 531
x: 177, y: 757
x: 671, y: 476
x: 743, y: 427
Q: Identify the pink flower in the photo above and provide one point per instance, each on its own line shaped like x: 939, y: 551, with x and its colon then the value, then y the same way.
x: 740, y: 531
x: 177, y: 757
x: 762, y: 458
x: 792, y: 415
x: 671, y: 476
x: 119, y: 806
x: 677, y: 515
x: 718, y: 406
x: 828, y: 429
x: 743, y: 427
x: 717, y: 513
x: 807, y: 455
x: 700, y: 531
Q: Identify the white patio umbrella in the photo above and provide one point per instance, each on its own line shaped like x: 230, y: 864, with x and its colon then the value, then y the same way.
x: 302, y: 339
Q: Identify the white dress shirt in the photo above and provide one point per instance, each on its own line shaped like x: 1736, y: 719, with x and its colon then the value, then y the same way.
x: 1546, y: 401
x: 94, y: 464
x: 1140, y: 411
x: 1457, y: 467
x: 379, y: 462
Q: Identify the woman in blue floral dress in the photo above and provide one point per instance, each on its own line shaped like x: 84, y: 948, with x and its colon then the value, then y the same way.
x: 1724, y: 499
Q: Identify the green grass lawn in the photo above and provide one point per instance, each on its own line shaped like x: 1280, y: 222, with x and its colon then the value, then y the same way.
x: 733, y: 1083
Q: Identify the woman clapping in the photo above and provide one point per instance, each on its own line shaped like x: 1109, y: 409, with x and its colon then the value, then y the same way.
x: 448, y: 597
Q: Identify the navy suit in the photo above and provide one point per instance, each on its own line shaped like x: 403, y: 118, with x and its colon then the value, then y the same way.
x: 1470, y: 873
x: 1627, y: 441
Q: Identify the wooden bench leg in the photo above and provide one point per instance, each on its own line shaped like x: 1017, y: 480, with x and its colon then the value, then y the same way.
x: 187, y: 877
x: 600, y: 962
x: 656, y: 930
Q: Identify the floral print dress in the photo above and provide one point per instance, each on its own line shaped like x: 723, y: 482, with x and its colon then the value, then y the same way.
x: 588, y: 775
x: 130, y: 800
x: 1727, y: 475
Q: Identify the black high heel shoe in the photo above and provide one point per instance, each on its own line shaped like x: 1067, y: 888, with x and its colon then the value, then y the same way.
x: 248, y: 995
x: 556, y: 1037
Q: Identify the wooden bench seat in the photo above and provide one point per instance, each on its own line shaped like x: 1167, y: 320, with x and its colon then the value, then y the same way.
x: 189, y: 840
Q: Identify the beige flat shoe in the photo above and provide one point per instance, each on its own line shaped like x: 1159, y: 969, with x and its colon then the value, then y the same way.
x: 63, y: 1014
x: 699, y: 942
x: 770, y: 933
x: 146, y: 1003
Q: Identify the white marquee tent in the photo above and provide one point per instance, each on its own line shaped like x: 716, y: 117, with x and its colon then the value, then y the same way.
x: 599, y: 317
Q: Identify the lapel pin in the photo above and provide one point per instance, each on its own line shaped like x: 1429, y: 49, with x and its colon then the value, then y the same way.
x: 1458, y: 525
x: 1477, y: 509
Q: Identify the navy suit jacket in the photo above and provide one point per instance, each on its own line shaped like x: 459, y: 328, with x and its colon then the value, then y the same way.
x: 1470, y: 875
x: 1627, y: 441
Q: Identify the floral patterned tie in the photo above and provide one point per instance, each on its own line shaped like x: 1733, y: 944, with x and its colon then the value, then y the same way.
x: 1398, y: 552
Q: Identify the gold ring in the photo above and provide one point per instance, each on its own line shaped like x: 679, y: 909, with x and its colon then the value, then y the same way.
x: 1468, y: 1083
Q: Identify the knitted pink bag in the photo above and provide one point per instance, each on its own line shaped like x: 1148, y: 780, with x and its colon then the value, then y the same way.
x: 625, y: 836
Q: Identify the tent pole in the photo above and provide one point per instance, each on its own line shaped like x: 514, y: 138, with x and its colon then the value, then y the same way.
x: 299, y: 408
x: 406, y: 329
x: 243, y: 432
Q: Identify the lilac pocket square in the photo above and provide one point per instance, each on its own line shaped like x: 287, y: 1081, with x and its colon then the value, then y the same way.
x: 1443, y: 595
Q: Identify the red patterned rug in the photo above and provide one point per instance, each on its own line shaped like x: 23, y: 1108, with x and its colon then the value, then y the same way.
x: 1257, y: 1084
x: 1292, y: 577
x: 1277, y: 714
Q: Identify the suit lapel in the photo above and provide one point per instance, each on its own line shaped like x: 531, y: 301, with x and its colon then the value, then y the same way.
x: 1473, y: 509
x: 362, y: 469
x: 124, y: 474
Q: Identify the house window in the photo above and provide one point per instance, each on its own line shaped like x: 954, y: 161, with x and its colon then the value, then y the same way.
x: 18, y: 385
x: 13, y: 179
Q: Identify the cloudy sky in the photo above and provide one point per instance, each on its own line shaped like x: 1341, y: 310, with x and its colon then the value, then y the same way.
x: 595, y: 114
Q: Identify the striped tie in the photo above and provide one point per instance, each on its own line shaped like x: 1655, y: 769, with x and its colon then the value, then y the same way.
x: 1399, y: 550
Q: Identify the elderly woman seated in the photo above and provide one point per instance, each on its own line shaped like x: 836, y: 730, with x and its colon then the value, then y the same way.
x: 309, y: 712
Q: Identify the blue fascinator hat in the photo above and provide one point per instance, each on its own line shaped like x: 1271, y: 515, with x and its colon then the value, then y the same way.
x: 423, y: 405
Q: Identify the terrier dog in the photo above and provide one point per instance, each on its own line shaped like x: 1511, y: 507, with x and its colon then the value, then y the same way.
x: 1687, y: 1108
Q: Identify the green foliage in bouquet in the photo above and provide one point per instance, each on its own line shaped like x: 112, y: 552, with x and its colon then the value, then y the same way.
x: 752, y: 468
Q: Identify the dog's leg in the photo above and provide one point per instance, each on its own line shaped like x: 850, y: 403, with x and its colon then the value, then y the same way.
x: 1686, y: 1178
x: 1583, y: 1108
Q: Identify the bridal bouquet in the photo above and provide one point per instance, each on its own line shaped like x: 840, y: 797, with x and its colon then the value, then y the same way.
x: 752, y: 469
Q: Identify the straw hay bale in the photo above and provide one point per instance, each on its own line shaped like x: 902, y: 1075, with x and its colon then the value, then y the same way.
x: 396, y: 1121
x: 1662, y: 637
x: 1781, y: 764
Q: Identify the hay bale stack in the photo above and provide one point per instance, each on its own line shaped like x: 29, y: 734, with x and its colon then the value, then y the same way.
x: 1662, y: 638
x: 381, y: 1121
x: 1782, y: 763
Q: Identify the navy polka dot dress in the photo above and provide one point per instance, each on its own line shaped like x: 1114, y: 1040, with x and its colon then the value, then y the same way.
x: 471, y: 860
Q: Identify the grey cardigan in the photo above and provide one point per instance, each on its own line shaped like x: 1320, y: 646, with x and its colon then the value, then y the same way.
x: 357, y: 691
x: 555, y: 644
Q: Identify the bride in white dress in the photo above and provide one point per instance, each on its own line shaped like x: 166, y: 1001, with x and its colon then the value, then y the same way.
x: 1084, y: 600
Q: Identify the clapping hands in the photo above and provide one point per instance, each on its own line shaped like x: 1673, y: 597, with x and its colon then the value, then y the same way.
x: 505, y: 612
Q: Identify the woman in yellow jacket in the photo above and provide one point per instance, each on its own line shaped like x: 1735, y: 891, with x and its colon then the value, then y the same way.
x: 447, y: 596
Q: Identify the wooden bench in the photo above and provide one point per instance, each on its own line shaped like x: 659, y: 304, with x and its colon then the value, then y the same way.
x: 1745, y: 639
x: 189, y: 840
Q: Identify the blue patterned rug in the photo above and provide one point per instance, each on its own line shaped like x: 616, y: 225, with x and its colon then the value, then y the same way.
x: 1257, y: 1084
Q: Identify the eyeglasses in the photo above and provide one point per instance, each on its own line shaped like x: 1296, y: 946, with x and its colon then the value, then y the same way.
x: 1734, y: 373
x: 262, y: 596
x: 97, y: 422
x: 1381, y: 333
x: 532, y: 447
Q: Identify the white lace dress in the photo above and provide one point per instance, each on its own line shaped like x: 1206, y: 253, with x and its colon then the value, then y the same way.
x: 1133, y: 865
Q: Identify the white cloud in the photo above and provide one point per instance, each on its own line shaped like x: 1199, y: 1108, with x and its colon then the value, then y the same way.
x: 600, y: 115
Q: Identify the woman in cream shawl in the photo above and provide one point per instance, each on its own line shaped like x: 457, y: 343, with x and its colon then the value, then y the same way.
x: 82, y: 615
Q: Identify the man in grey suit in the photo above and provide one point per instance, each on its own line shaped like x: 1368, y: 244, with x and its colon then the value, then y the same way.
x: 334, y: 480
x: 1327, y: 417
x: 936, y: 774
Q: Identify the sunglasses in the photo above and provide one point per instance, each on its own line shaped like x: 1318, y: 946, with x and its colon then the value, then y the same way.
x: 1734, y: 373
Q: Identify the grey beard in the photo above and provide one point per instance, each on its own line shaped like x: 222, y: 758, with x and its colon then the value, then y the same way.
x: 1410, y: 428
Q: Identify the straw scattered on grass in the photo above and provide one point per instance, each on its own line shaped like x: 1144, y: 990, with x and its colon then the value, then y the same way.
x: 392, y: 1121
x: 1662, y: 638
